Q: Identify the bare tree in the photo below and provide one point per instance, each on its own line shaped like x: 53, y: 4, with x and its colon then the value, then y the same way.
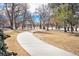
x: 44, y: 11
x: 24, y: 13
x: 12, y: 10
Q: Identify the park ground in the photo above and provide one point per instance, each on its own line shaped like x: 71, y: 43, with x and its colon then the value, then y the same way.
x: 60, y: 39
x: 13, y: 45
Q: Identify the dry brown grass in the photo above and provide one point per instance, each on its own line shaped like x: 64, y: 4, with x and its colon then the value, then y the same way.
x: 13, y: 44
x: 66, y: 41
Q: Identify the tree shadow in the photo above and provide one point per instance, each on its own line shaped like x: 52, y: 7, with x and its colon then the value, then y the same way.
x: 6, y: 36
x: 5, y: 46
x: 11, y: 54
x: 42, y: 32
x: 75, y: 34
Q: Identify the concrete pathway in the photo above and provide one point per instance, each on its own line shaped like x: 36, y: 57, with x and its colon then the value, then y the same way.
x: 36, y: 47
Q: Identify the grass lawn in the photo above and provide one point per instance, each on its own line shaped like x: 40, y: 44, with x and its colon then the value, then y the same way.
x: 66, y: 41
x: 13, y: 44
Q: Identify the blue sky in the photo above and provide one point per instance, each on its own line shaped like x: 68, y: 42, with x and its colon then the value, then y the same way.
x: 36, y: 18
x: 1, y: 5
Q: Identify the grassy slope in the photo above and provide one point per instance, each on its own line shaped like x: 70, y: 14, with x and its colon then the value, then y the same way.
x: 60, y: 39
x: 13, y: 44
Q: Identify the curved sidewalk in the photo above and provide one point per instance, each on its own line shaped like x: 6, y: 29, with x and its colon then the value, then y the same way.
x: 35, y: 47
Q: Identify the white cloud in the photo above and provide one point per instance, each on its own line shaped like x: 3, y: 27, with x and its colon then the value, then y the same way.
x: 33, y: 6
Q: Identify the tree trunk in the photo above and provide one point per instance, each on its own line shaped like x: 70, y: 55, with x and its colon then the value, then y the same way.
x: 43, y: 27
x: 43, y: 24
x: 56, y: 26
x: 59, y: 27
x: 15, y: 24
x: 72, y: 28
x: 40, y: 25
x: 52, y: 26
x: 76, y: 28
x: 23, y: 24
x: 13, y: 20
x: 47, y: 27
x: 65, y: 27
x: 11, y: 25
x: 48, y: 24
